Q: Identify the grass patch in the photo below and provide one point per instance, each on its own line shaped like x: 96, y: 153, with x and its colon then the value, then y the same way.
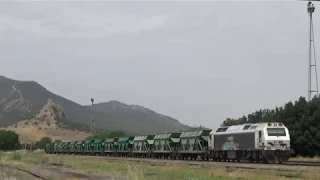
x: 15, y: 156
x: 158, y: 170
x: 300, y: 158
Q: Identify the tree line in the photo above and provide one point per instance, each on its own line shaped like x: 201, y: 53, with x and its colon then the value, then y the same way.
x: 9, y: 140
x: 302, y: 118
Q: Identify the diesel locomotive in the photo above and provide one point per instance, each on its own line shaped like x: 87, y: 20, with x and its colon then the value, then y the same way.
x: 258, y: 142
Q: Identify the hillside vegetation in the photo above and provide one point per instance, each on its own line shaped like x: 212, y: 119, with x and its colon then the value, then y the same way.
x: 22, y: 100
x: 49, y: 122
x: 302, y: 119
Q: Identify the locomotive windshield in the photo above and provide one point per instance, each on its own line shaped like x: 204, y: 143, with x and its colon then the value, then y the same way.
x: 276, y: 132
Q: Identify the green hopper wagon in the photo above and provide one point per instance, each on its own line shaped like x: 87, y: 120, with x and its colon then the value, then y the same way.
x: 49, y: 148
x: 124, y: 146
x: 142, y: 146
x: 88, y: 147
x: 72, y: 147
x: 65, y: 147
x: 166, y: 145
x: 98, y: 146
x: 79, y: 147
x: 194, y: 144
x: 110, y: 146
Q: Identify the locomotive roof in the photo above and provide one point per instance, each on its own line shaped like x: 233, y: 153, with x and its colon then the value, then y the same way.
x: 244, y: 127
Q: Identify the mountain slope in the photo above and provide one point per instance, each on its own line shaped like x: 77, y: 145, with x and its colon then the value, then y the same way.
x: 138, y: 117
x: 20, y: 100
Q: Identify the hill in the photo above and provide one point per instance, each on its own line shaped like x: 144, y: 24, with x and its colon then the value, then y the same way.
x: 49, y: 122
x: 22, y: 100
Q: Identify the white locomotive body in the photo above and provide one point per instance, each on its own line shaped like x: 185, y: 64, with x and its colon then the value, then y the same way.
x: 267, y: 142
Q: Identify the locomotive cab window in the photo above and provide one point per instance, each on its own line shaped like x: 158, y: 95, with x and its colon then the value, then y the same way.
x: 253, y: 127
x: 276, y: 132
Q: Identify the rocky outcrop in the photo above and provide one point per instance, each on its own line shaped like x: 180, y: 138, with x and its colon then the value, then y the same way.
x: 15, y: 101
x: 51, y: 111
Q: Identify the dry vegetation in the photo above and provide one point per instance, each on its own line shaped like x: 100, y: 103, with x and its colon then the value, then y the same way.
x: 33, y: 130
x: 78, y: 167
x: 299, y: 158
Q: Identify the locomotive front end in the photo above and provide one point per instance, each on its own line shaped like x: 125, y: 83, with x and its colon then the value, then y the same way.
x: 276, y: 143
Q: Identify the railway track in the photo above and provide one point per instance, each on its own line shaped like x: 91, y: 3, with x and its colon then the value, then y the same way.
x: 302, y: 163
x: 34, y: 175
x: 286, y: 166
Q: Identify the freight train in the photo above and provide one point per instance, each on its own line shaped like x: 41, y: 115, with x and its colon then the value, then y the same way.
x: 257, y: 142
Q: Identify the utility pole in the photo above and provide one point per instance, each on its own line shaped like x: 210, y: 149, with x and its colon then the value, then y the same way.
x: 93, y: 126
x: 312, y: 51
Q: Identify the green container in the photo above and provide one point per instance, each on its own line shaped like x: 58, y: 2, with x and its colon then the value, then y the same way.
x: 166, y: 142
x: 88, y: 146
x: 79, y: 146
x: 55, y: 147
x: 49, y: 148
x: 60, y: 147
x: 194, y: 140
x: 65, y: 147
x: 143, y: 143
x: 110, y: 144
x: 124, y: 144
x: 72, y: 147
x: 98, y: 145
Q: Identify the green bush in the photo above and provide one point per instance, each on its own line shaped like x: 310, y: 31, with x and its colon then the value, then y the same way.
x: 9, y: 140
x: 43, y: 142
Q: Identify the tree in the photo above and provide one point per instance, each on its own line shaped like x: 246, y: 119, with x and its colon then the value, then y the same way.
x: 43, y: 142
x: 9, y: 140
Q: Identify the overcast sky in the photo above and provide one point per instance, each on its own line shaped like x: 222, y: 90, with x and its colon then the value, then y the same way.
x: 198, y: 62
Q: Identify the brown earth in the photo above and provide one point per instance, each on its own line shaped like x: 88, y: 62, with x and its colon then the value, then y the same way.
x: 33, y: 130
x: 23, y: 171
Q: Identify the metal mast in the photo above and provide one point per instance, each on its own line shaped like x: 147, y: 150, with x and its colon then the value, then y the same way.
x: 312, y: 52
x: 93, y: 126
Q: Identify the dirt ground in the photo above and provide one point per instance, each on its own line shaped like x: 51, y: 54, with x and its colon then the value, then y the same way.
x: 47, y: 172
